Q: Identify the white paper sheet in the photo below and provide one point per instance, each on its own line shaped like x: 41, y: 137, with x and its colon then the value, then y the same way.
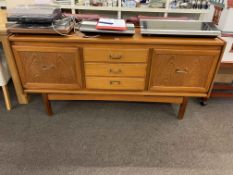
x: 108, y: 22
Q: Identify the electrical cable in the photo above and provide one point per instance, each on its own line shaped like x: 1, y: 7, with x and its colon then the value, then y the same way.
x: 76, y: 27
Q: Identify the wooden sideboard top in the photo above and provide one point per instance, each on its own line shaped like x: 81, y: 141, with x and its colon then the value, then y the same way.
x: 136, y: 39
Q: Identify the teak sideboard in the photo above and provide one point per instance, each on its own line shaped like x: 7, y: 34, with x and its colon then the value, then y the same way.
x: 117, y: 68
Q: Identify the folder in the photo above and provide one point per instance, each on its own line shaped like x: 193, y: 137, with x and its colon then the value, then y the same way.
x: 111, y: 24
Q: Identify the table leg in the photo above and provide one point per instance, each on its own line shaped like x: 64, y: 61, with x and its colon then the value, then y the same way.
x: 204, y: 101
x: 6, y: 97
x: 22, y: 97
x: 47, y: 104
x: 182, y: 108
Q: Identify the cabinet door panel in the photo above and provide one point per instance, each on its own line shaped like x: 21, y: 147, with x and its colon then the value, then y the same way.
x: 48, y: 67
x: 183, y: 70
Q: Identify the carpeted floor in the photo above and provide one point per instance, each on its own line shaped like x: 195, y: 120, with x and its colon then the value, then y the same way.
x: 109, y: 138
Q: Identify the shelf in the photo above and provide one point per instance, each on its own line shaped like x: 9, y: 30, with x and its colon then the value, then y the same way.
x: 136, y: 9
x: 142, y: 9
x: 163, y: 10
x: 200, y: 11
x: 80, y: 7
x: 2, y: 4
x: 65, y: 6
x: 215, y: 3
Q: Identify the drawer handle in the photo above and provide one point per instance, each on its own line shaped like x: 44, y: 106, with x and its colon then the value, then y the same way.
x: 115, y: 56
x: 118, y: 71
x: 180, y: 71
x: 113, y: 82
x: 48, y: 67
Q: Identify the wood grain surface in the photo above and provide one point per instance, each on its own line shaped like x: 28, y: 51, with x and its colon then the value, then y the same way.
x: 3, y: 22
x: 115, y: 55
x: 115, y: 83
x: 175, y: 70
x: 115, y: 70
x: 137, y: 68
x: 49, y: 67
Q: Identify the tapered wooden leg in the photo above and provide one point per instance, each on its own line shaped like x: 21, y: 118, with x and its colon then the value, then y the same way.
x: 182, y: 108
x: 6, y: 97
x: 47, y: 104
x: 22, y: 97
x: 204, y: 101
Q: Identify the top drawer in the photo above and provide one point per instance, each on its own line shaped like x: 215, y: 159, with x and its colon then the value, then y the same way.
x: 115, y: 55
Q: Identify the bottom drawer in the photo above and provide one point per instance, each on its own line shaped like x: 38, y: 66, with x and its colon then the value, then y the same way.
x: 110, y: 83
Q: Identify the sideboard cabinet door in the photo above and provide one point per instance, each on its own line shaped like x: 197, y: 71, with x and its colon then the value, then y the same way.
x: 48, y: 67
x: 185, y: 71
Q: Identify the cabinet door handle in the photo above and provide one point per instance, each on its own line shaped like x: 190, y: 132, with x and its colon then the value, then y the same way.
x: 118, y: 71
x: 114, y: 82
x: 115, y: 56
x: 181, y: 71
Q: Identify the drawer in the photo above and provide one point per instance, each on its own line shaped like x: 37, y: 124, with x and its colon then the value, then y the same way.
x: 115, y: 55
x: 113, y: 83
x: 183, y: 71
x: 115, y: 70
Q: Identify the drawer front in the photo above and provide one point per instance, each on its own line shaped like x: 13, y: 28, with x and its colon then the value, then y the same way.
x: 115, y: 55
x: 115, y: 70
x: 48, y: 67
x: 183, y: 71
x: 113, y: 83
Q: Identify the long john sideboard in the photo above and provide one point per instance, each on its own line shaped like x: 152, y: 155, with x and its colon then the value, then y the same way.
x: 117, y: 68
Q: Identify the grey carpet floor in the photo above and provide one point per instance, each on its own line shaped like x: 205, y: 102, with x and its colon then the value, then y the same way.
x: 108, y: 138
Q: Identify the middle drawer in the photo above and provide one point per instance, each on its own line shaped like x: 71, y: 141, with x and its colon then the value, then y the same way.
x: 115, y: 70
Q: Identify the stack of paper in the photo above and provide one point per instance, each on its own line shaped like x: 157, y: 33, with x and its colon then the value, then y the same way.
x: 111, y: 24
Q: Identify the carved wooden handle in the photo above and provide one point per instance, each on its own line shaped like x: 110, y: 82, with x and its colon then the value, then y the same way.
x: 45, y: 67
x: 118, y: 71
x: 115, y: 56
x: 181, y: 71
x: 113, y: 82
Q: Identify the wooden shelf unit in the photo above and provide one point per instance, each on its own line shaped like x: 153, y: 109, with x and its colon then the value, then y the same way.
x: 142, y: 10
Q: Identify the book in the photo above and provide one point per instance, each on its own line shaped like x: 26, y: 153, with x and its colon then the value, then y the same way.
x: 111, y: 24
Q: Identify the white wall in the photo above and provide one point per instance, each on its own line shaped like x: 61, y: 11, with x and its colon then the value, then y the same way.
x: 225, y: 23
x: 228, y: 56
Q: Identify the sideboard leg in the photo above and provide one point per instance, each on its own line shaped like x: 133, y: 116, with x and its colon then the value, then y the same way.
x: 182, y: 108
x: 22, y: 97
x: 6, y: 97
x: 204, y: 101
x: 47, y: 104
